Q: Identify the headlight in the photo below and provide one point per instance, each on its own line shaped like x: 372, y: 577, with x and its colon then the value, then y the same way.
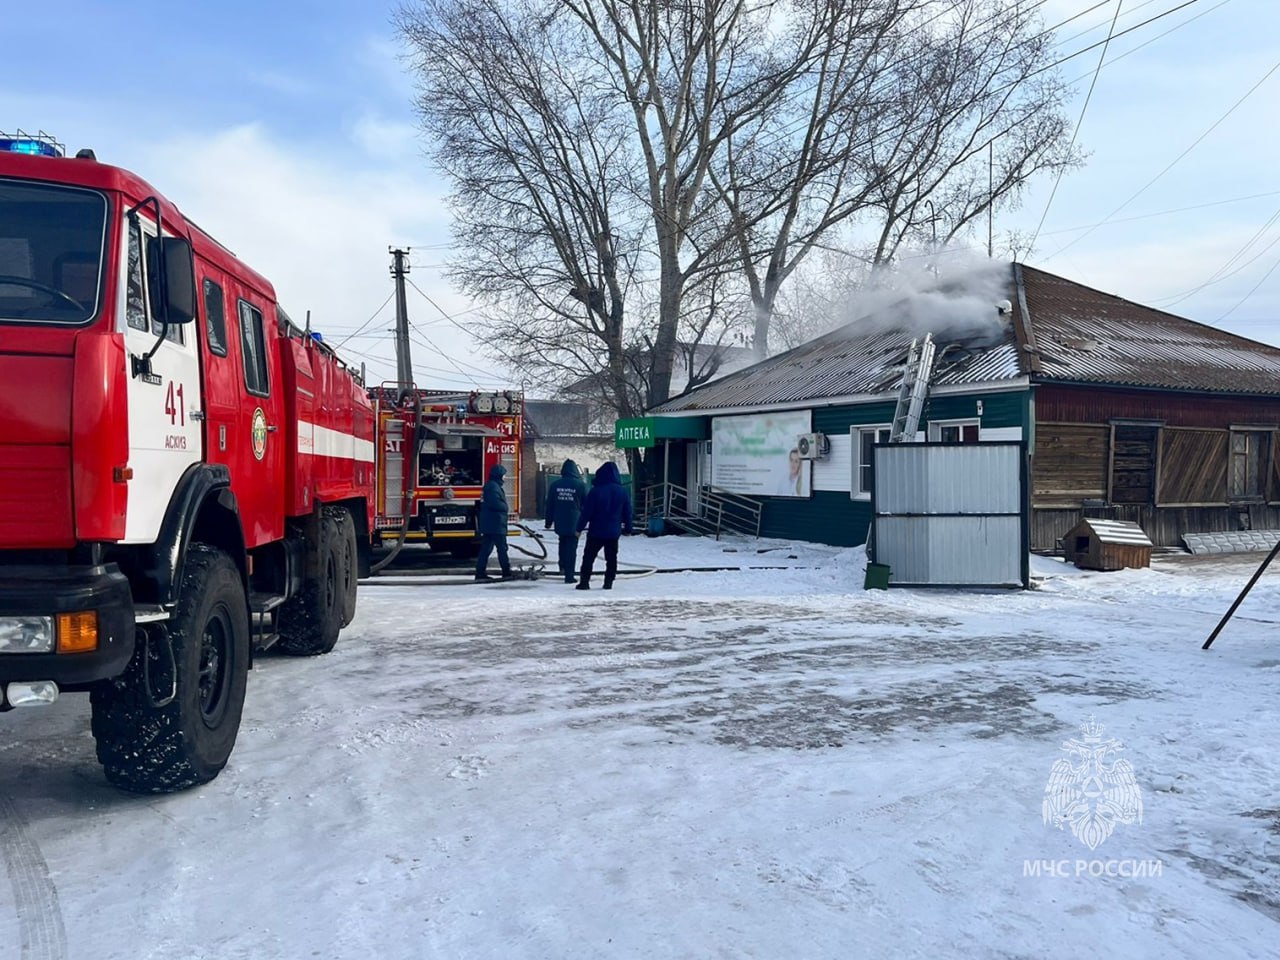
x: 26, y: 634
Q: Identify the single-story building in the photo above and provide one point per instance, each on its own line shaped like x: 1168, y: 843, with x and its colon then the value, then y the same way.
x: 1128, y: 413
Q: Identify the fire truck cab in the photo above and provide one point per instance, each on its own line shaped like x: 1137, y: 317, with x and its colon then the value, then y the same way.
x: 184, y: 473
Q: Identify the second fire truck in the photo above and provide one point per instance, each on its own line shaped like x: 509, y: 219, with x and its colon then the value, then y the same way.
x: 435, y: 450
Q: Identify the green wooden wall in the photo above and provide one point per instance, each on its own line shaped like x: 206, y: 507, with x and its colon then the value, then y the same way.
x: 832, y: 516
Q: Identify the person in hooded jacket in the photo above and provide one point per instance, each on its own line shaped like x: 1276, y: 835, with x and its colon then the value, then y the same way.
x: 564, y: 505
x: 493, y: 523
x: 605, y: 516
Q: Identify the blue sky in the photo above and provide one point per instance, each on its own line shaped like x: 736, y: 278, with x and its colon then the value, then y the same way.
x: 286, y: 130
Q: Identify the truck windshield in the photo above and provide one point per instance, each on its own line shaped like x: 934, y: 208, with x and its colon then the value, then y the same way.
x: 51, y: 241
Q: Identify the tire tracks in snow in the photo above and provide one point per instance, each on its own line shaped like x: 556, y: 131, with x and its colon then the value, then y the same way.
x: 41, y: 933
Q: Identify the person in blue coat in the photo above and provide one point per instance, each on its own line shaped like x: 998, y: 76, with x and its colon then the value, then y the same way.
x: 605, y: 516
x: 493, y: 523
x: 564, y: 505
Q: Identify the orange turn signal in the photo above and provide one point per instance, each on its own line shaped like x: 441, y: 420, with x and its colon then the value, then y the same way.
x: 77, y: 632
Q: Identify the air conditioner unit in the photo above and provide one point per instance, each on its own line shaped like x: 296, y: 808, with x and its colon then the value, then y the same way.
x: 812, y: 445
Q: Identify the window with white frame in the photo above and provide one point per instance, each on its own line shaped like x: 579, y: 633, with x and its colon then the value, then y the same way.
x: 864, y: 439
x: 953, y: 431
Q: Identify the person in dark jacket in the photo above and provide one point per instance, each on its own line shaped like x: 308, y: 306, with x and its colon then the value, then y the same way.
x: 606, y: 514
x: 564, y: 505
x: 493, y: 523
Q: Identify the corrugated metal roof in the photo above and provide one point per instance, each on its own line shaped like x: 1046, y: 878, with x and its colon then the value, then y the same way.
x: 850, y: 362
x: 1093, y: 337
x: 1081, y: 334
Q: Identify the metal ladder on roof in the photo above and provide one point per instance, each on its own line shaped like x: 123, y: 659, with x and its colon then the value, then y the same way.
x: 914, y: 390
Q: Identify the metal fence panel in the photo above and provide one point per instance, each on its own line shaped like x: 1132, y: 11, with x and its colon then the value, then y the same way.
x: 951, y: 514
x: 951, y: 478
x: 951, y: 551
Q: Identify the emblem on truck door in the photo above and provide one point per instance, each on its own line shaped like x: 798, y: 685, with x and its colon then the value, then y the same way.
x: 259, y: 433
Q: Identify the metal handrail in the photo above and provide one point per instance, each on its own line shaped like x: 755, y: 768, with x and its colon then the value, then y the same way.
x: 719, y: 510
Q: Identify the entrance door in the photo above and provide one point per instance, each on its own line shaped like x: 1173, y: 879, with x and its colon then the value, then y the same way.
x: 257, y: 461
x: 697, y: 472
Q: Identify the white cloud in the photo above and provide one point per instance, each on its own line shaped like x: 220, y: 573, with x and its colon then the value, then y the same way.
x: 320, y: 233
x: 380, y: 136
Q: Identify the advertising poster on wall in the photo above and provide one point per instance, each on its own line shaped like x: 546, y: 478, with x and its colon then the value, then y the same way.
x: 756, y: 455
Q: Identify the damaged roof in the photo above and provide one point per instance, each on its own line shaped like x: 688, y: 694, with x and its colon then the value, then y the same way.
x: 1056, y: 331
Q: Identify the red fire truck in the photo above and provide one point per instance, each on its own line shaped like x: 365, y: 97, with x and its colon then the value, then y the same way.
x: 435, y: 450
x: 185, y: 475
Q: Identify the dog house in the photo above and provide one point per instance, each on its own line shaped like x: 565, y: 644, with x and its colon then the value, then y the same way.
x: 1107, y: 545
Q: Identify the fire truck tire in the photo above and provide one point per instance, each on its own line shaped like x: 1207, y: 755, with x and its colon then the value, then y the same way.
x: 349, y: 569
x: 148, y: 749
x: 310, y: 621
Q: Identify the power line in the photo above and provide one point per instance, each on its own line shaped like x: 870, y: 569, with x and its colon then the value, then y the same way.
x: 1219, y: 275
x: 1101, y: 23
x: 429, y: 342
x: 444, y: 313
x: 1117, y: 36
x: 1161, y: 213
x: 1195, y: 143
x: 1251, y: 292
x: 905, y: 126
x: 371, y: 319
x: 1076, y: 132
x: 1158, y: 36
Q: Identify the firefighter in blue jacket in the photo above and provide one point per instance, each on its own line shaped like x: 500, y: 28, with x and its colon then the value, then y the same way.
x: 493, y: 524
x: 605, y: 516
x: 564, y: 505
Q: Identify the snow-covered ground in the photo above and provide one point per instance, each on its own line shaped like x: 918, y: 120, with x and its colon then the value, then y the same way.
x: 764, y: 763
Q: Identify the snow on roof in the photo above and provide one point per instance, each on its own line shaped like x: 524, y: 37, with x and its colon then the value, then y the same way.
x: 1116, y: 531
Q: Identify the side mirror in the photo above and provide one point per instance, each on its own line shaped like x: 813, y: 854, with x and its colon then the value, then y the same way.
x: 179, y: 280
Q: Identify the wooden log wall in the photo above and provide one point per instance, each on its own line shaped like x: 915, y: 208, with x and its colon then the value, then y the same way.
x: 1194, y: 466
x: 1164, y: 525
x: 1070, y: 463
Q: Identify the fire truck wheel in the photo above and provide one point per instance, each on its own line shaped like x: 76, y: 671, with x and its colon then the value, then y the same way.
x: 310, y: 621
x: 150, y: 749
x: 349, y: 569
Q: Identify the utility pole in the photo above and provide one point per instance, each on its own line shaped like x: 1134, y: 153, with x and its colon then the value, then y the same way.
x: 933, y: 249
x: 404, y: 366
x: 991, y: 166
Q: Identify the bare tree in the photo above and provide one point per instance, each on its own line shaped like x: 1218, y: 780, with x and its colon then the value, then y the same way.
x: 694, y: 73
x: 542, y: 189
x: 577, y: 138
x: 637, y: 179
x: 986, y: 116
x: 893, y: 128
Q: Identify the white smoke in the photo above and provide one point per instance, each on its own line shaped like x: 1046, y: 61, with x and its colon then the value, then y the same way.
x: 950, y: 293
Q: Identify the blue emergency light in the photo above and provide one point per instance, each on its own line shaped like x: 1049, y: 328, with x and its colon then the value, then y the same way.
x: 34, y: 145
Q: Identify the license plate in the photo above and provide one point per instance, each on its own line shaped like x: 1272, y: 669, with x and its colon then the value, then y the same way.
x: 442, y: 521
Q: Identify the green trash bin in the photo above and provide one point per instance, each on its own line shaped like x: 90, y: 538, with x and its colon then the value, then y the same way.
x: 877, y: 577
